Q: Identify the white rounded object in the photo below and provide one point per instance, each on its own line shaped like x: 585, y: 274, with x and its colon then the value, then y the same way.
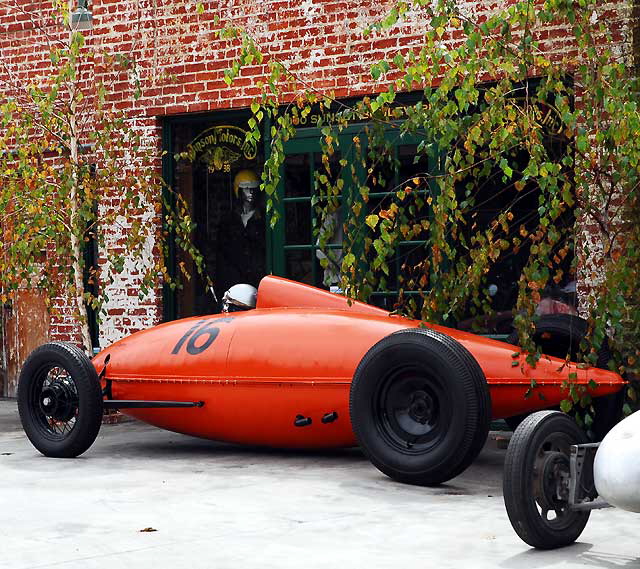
x: 241, y: 295
x: 616, y: 470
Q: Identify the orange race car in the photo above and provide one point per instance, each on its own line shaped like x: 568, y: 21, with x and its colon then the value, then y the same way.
x: 302, y: 369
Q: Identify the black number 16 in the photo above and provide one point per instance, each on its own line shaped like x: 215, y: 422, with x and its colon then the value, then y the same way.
x: 201, y: 328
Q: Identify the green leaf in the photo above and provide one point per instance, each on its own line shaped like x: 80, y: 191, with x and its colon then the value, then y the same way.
x: 372, y: 220
x: 581, y: 143
x: 566, y: 405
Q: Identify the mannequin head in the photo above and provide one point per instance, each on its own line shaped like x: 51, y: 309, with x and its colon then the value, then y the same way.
x: 248, y: 196
x: 245, y: 187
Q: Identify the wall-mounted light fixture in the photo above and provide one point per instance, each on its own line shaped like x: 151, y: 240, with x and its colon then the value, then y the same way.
x: 81, y: 17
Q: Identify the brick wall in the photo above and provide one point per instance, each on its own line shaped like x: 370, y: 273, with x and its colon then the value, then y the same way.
x: 180, y: 64
x: 126, y: 312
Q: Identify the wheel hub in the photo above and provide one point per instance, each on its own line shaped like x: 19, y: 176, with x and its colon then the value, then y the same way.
x: 57, y: 400
x: 412, y: 409
x: 421, y: 407
x: 553, y: 483
x: 415, y: 412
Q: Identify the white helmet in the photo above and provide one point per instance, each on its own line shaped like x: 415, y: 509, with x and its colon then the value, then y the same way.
x: 239, y: 297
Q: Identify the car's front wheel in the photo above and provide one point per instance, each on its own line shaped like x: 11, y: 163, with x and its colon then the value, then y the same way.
x: 60, y: 400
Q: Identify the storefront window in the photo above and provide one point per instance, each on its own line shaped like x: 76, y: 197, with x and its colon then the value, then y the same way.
x: 217, y: 174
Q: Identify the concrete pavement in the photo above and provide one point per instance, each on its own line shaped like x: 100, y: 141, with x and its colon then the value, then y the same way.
x: 218, y: 506
x: 9, y: 418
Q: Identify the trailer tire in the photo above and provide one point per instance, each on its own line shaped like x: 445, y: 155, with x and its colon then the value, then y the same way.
x: 536, y: 461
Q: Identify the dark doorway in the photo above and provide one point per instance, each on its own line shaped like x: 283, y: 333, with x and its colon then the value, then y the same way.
x: 217, y: 173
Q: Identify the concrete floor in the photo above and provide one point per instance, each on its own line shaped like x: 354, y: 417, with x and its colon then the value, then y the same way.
x: 218, y: 506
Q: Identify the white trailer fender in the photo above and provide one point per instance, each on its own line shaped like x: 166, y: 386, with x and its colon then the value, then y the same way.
x: 616, y: 469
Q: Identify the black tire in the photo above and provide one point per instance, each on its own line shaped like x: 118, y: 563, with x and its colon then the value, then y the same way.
x: 535, y: 462
x: 60, y: 400
x: 420, y: 407
x: 559, y: 335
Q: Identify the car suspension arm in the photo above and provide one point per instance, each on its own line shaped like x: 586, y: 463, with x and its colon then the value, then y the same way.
x: 582, y: 491
x: 140, y: 404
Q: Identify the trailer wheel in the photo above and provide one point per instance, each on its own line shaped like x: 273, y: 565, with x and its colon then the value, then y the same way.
x: 60, y: 400
x: 536, y: 480
x: 559, y: 335
x: 420, y: 407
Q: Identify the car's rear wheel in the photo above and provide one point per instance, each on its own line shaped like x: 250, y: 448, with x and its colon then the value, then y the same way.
x: 536, y: 480
x: 420, y: 407
x: 60, y: 400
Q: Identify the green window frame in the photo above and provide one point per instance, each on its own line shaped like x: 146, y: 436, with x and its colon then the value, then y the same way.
x: 307, y: 143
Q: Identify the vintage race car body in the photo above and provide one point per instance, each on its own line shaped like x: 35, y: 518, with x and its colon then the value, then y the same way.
x: 263, y: 373
x: 304, y: 369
